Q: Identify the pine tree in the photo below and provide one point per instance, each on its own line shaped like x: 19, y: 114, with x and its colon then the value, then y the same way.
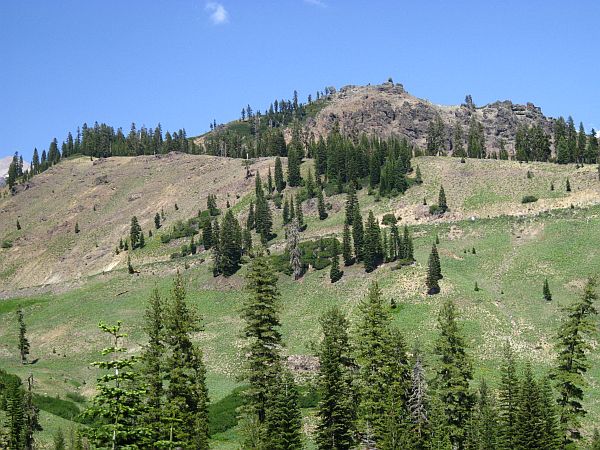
x: 507, y: 401
x: 129, y: 266
x: 263, y: 218
x: 283, y: 420
x: 186, y: 393
x: 418, y: 178
x: 294, y: 160
x: 336, y: 410
x: 270, y: 187
x: 407, y: 246
x: 263, y: 339
x: 142, y: 241
x: 347, y: 246
x: 568, y: 185
x: 434, y: 273
x: 372, y: 244
x: 247, y: 241
x: 334, y: 273
x: 352, y: 207
x: 552, y: 436
x: 454, y: 374
x: 546, y: 291
x: 18, y: 225
x: 358, y: 235
x: 529, y: 424
x: 31, y: 415
x: 286, y: 212
x: 442, y: 200
x: 23, y: 341
x: 207, y: 235
x: 230, y: 245
x: 134, y: 232
x: 157, y: 221
x: 279, y: 182
x: 76, y: 227
x: 299, y: 214
x: 119, y: 401
x: 572, y: 363
x: 251, y: 220
x: 59, y: 440
x: 483, y: 430
x: 153, y: 371
x: 321, y: 205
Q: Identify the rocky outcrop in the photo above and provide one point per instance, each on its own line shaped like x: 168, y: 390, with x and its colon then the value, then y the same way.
x: 387, y: 109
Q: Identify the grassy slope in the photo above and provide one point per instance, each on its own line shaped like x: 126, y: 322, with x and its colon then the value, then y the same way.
x: 514, y: 255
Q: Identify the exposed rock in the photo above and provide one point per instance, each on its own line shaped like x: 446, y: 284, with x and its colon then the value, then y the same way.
x: 387, y: 109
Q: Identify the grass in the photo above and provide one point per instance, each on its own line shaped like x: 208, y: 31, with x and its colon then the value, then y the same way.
x: 516, y: 249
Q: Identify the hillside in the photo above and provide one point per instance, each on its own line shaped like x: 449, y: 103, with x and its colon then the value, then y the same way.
x: 67, y: 282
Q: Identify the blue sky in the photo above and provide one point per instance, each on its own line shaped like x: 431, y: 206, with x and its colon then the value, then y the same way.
x: 183, y: 62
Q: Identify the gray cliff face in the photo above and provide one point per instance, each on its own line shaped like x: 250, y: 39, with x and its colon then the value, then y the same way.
x: 387, y: 109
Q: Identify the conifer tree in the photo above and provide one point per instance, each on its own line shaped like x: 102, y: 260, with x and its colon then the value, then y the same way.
x: 59, y: 440
x: 263, y: 339
x: 352, y: 207
x: 529, y: 423
x: 251, y: 220
x: 347, y: 246
x: 434, y: 273
x: 207, y: 235
x: 18, y: 225
x: 310, y: 184
x: 546, y: 291
x: 335, y: 273
x: 279, y: 181
x: 283, y: 420
x: 76, y: 227
x: 134, y: 232
x: 454, y: 374
x: 407, y: 244
x: 418, y: 178
x: 142, y: 241
x: 568, y: 185
x: 336, y: 410
x: 216, y: 249
x: 153, y: 365
x: 129, y: 266
x: 23, y: 341
x: 157, y: 221
x: 119, y: 400
x: 549, y: 411
x: 372, y: 244
x: 263, y: 218
x: 321, y: 205
x: 294, y: 159
x: 270, y: 187
x: 230, y: 245
x: 483, y: 425
x: 286, y: 212
x: 358, y: 235
x: 186, y: 393
x: 507, y: 401
x: 442, y: 200
x: 572, y: 363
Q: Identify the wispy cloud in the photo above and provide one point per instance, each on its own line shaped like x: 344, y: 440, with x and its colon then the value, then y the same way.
x: 217, y: 13
x: 319, y: 3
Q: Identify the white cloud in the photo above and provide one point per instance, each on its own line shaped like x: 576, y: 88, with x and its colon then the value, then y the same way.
x: 319, y: 3
x: 217, y: 13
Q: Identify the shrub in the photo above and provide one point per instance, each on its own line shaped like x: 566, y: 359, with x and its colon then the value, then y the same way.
x: 529, y: 199
x: 436, y: 210
x: 389, y: 219
x: 76, y: 397
x: 6, y: 244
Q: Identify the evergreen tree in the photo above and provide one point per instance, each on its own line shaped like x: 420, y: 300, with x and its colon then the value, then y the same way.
x: 310, y: 184
x: 283, y: 420
x: 263, y: 218
x: 76, y: 227
x: 546, y: 291
x: 434, y: 273
x: 230, y: 245
x: 595, y: 440
x: 407, y: 246
x: 261, y: 315
x: 119, y: 400
x: 483, y: 430
x: 270, y: 187
x: 251, y: 220
x: 293, y: 249
x: 336, y: 411
x: 454, y: 374
x: 286, y: 212
x: 129, y: 266
x: 157, y: 221
x: 572, y: 361
x: 418, y: 402
x: 357, y: 235
x: 372, y: 244
x: 294, y: 160
x: 507, y: 401
x: 186, y: 394
x: 551, y: 429
x: 442, y: 200
x: 299, y: 214
x: 529, y: 423
x: 207, y: 235
x: 23, y: 341
x: 18, y: 225
x: 153, y: 365
x: 279, y: 181
x: 59, y: 440
x: 568, y: 185
x: 418, y: 178
x: 347, y: 246
x: 247, y: 241
x: 352, y: 207
x: 321, y: 205
x: 334, y: 273
x: 142, y: 241
x: 134, y: 232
